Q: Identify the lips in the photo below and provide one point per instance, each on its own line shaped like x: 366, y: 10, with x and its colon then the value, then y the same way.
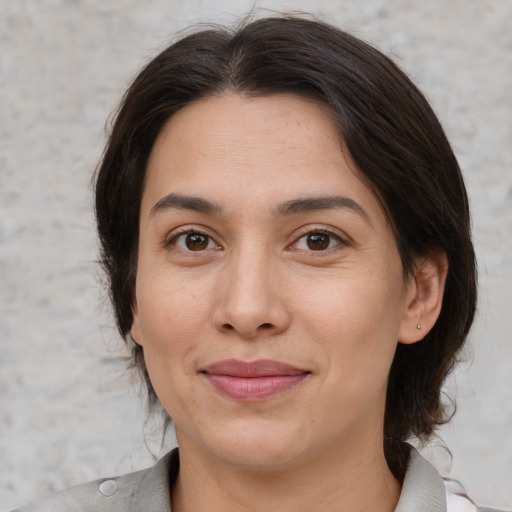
x: 252, y: 381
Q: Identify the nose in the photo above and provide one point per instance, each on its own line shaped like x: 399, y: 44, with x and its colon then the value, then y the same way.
x: 250, y: 300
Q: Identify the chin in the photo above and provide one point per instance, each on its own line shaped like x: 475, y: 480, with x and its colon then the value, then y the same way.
x: 256, y: 456
x: 259, y: 445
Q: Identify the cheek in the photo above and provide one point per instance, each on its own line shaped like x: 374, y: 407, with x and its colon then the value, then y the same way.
x: 171, y: 315
x: 173, y: 318
x: 355, y: 322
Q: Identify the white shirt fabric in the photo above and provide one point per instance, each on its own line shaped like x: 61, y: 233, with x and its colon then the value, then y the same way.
x: 456, y: 499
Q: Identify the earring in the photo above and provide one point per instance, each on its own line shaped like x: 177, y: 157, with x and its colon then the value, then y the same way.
x: 418, y: 326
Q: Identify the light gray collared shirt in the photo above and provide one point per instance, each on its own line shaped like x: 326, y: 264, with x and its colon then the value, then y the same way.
x: 423, y: 490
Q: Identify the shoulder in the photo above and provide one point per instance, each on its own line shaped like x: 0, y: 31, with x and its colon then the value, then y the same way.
x: 143, y: 490
x: 424, y: 490
x: 106, y: 494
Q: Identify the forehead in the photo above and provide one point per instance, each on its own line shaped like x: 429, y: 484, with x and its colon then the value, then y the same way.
x: 224, y: 123
x: 233, y: 148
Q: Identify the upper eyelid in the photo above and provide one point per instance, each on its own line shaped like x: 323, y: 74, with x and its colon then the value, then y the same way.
x: 183, y: 230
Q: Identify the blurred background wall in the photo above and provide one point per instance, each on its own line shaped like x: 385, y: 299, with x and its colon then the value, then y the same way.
x: 68, y: 409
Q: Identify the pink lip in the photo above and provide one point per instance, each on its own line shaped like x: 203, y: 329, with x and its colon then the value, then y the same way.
x: 252, y: 381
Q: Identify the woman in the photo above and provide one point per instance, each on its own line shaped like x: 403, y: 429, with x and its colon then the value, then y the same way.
x: 286, y: 233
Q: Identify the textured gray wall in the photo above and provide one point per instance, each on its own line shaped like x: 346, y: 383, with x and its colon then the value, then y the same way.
x: 68, y: 412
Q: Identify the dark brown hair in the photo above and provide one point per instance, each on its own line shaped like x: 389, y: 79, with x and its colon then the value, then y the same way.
x: 385, y: 123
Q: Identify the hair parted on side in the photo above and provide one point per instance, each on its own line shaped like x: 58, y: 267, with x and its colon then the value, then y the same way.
x: 385, y: 123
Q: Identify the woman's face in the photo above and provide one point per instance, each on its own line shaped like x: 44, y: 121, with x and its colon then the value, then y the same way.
x: 270, y: 294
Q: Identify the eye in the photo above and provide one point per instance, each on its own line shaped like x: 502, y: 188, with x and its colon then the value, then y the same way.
x: 317, y: 241
x: 193, y: 241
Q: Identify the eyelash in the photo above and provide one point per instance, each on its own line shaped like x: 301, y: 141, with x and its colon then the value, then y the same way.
x: 332, y: 237
x: 173, y: 241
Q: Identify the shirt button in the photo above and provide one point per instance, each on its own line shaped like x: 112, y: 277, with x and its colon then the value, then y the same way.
x: 108, y: 488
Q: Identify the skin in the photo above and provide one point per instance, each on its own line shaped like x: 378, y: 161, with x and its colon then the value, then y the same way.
x: 255, y: 287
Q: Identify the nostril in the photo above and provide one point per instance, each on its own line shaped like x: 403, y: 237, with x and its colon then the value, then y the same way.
x: 266, y: 326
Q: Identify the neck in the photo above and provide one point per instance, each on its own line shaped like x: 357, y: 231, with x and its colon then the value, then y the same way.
x: 354, y: 477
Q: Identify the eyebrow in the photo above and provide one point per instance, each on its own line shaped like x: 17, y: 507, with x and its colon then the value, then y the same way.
x: 309, y: 204
x: 183, y: 202
x: 294, y: 206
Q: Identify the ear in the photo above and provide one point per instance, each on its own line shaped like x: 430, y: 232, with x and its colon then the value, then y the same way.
x: 135, y: 331
x: 423, y: 296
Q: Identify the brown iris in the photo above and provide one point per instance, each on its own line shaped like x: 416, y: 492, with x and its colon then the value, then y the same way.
x: 196, y: 241
x: 318, y: 241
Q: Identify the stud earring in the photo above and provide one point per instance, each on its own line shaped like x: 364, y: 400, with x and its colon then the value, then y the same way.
x: 418, y: 326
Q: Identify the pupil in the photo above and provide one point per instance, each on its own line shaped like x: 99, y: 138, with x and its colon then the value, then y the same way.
x: 318, y: 241
x: 196, y: 242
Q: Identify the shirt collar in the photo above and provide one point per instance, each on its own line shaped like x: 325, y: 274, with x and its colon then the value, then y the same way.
x: 423, y: 488
x: 153, y: 491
